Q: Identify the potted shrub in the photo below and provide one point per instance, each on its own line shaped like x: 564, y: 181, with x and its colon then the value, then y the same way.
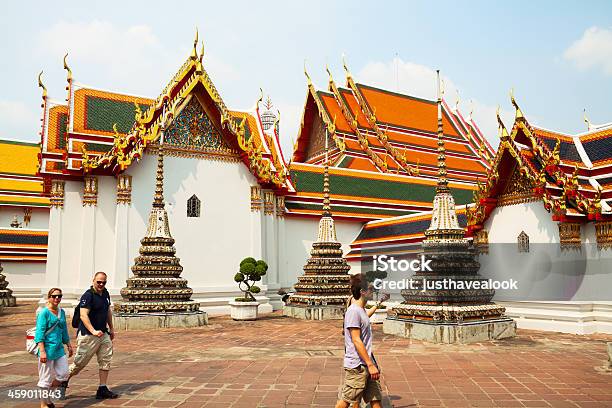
x: 251, y: 271
x: 381, y: 313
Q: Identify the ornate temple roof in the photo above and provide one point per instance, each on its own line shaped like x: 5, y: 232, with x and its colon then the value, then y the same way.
x: 570, y: 174
x: 21, y: 244
x: 395, y: 234
x: 105, y: 132
x: 365, y: 195
x: 19, y: 183
x: 384, y: 153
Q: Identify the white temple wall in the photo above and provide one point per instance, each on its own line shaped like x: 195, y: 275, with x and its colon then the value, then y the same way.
x: 506, y: 223
x: 210, y: 246
x: 25, y: 278
x: 39, y: 218
x: 71, y: 226
x: 560, y: 289
x: 105, y: 230
x: 301, y: 232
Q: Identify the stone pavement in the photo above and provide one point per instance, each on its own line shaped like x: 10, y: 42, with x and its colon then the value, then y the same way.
x: 281, y: 362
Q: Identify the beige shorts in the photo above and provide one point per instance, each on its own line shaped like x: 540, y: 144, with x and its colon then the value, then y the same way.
x: 359, y: 385
x: 87, y: 346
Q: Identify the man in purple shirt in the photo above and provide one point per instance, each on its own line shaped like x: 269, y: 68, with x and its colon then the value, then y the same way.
x: 361, y: 372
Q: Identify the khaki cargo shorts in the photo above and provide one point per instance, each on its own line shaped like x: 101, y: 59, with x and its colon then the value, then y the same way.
x: 359, y: 385
x: 87, y: 346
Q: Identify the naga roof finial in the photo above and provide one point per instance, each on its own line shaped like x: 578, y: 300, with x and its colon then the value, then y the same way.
x: 457, y: 100
x: 201, y: 51
x: 67, y: 68
x: 331, y: 78
x: 503, y: 133
x: 260, y: 98
x: 41, y: 85
x: 194, y: 52
x: 307, y: 76
x: 346, y: 70
x: 471, y: 110
x: 587, y: 121
x: 519, y: 113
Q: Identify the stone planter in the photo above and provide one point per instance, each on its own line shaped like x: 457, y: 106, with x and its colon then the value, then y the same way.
x: 243, y: 310
x: 379, y: 316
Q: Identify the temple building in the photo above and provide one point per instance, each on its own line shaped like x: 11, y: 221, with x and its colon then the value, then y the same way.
x: 79, y: 202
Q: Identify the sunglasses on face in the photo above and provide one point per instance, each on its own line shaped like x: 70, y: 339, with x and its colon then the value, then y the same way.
x: 101, y: 282
x: 56, y: 296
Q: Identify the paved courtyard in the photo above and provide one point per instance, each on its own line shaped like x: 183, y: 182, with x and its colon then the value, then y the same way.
x: 282, y: 362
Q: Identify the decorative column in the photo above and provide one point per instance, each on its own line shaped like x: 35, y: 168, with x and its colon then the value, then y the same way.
x: 271, y: 242
x: 54, y: 247
x: 88, y: 231
x: 122, y: 212
x: 281, y: 248
x: 256, y: 221
x: 603, y: 230
x: 569, y: 235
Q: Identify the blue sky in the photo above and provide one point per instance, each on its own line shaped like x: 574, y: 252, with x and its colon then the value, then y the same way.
x: 556, y: 55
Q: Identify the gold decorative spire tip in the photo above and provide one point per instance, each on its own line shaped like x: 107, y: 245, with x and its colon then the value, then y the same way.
x: 307, y: 76
x: 67, y: 68
x: 41, y: 85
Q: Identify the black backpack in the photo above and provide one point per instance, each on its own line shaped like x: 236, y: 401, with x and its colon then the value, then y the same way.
x: 76, y: 316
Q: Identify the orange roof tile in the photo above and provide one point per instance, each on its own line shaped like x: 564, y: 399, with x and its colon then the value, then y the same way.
x: 406, y: 111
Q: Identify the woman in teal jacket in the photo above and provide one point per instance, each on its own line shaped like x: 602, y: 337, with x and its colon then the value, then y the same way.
x: 52, y: 361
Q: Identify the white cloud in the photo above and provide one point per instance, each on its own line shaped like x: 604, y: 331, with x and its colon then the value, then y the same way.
x: 126, y: 59
x: 420, y: 81
x: 593, y: 50
x: 13, y: 116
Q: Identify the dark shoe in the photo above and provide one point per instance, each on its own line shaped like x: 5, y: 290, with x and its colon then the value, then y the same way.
x: 104, y: 393
x: 50, y: 405
x: 62, y: 388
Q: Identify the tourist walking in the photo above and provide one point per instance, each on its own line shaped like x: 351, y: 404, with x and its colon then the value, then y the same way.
x: 361, y: 372
x: 95, y: 334
x: 51, y: 336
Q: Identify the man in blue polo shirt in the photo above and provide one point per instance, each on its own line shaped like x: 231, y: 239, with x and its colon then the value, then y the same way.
x: 95, y: 334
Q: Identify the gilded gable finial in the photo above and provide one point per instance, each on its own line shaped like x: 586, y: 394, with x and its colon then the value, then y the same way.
x: 457, y: 101
x: 471, y: 110
x: 346, y: 70
x: 331, y: 78
x: 587, y: 121
x: 307, y: 76
x: 67, y: 68
x: 201, y: 50
x: 194, y: 52
x: 503, y: 133
x: 41, y: 85
x: 260, y: 99
x: 519, y: 113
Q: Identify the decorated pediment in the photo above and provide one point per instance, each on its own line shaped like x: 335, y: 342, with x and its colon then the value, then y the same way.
x: 519, y: 189
x: 193, y: 129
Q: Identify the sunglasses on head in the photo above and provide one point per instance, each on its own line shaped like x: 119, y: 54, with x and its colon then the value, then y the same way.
x: 56, y: 296
x: 101, y: 282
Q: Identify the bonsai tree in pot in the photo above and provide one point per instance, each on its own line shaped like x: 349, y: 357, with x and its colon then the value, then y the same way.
x: 251, y: 271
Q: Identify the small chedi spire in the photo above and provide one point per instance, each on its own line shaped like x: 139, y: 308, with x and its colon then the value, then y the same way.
x: 324, y: 288
x: 437, y: 312
x: 444, y: 224
x: 6, y: 295
x: 156, y: 286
